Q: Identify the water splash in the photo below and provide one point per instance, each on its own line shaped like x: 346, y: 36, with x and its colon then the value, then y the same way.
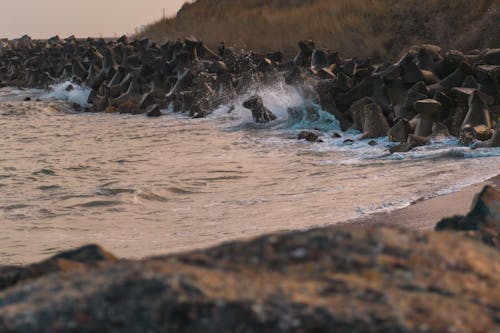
x: 277, y: 97
x: 61, y: 91
x: 311, y: 116
x: 296, y: 113
x: 286, y: 102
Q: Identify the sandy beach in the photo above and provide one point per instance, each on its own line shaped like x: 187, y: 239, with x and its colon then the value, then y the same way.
x: 424, y: 215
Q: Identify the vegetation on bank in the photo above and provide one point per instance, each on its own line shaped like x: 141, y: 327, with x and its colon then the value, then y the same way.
x: 375, y: 28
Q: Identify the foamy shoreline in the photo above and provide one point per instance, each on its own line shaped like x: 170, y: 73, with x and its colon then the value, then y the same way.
x: 425, y: 214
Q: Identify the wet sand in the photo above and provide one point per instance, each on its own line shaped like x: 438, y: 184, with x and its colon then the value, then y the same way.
x: 424, y: 215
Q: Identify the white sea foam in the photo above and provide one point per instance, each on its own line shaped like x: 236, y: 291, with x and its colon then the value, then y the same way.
x: 280, y: 97
x: 79, y: 94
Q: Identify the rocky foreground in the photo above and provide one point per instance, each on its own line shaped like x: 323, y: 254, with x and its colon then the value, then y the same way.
x: 324, y: 280
x: 427, y: 95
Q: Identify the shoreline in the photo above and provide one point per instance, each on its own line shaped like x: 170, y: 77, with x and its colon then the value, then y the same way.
x: 425, y: 214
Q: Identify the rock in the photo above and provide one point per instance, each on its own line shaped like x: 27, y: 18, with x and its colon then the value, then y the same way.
x: 319, y: 60
x: 81, y: 259
x: 357, y: 113
x: 129, y: 107
x: 467, y: 136
x: 309, y: 136
x: 479, y: 113
x: 111, y: 109
x: 480, y: 144
x: 483, y: 217
x: 439, y: 130
x: 492, y: 57
x: 372, y: 143
x: 303, y: 58
x: 260, y: 113
x: 429, y: 111
x: 197, y: 111
x: 336, y: 135
x: 375, y: 124
x: 427, y: 56
x: 402, y: 148
x: 412, y: 142
x: 429, y: 77
x: 153, y: 111
x: 348, y: 142
x: 495, y: 141
x: 400, y: 131
x: 147, y: 100
x: 324, y: 280
x: 455, y: 79
x: 482, y: 132
x: 360, y: 91
x: 410, y: 72
x: 77, y: 107
x: 470, y: 82
x: 27, y: 99
x: 461, y: 97
x: 406, y: 109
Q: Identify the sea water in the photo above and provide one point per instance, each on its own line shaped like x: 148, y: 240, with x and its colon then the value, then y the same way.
x: 141, y: 187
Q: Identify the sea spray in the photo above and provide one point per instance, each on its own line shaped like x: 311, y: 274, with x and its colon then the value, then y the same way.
x: 62, y: 91
x: 287, y: 103
x: 277, y: 97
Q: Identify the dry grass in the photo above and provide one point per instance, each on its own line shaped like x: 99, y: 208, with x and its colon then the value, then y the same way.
x: 376, y: 28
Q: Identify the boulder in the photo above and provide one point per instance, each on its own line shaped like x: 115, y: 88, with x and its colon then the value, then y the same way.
x: 482, y: 132
x: 348, y: 142
x: 479, y: 113
x: 439, y: 131
x: 495, y: 141
x: 129, y: 107
x: 153, y: 111
x: 412, y: 142
x: 455, y: 79
x: 375, y: 124
x: 309, y: 136
x: 427, y: 56
x: 429, y: 111
x: 356, y: 111
x: 400, y: 131
x: 461, y: 97
x: 90, y: 256
x: 336, y: 279
x: 303, y: 58
x: 492, y: 57
x: 484, y: 217
x: 260, y: 113
x: 470, y: 82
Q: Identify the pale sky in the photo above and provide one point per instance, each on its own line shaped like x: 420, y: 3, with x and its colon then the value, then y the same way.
x: 83, y: 18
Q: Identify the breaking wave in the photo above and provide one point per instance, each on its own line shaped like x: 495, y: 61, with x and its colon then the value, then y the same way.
x: 69, y: 92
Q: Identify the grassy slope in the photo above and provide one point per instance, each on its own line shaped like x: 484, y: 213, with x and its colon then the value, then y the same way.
x: 377, y: 28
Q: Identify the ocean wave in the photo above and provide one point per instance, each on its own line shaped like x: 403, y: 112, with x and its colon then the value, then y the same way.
x: 79, y: 94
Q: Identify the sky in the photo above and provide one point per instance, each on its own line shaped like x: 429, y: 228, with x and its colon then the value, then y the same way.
x: 83, y: 18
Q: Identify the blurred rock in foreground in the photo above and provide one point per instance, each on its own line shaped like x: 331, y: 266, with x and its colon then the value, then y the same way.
x: 323, y: 280
x: 483, y: 218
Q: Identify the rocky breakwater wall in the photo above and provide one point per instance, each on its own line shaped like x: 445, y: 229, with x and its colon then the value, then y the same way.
x: 323, y: 280
x: 426, y: 95
x: 136, y: 76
